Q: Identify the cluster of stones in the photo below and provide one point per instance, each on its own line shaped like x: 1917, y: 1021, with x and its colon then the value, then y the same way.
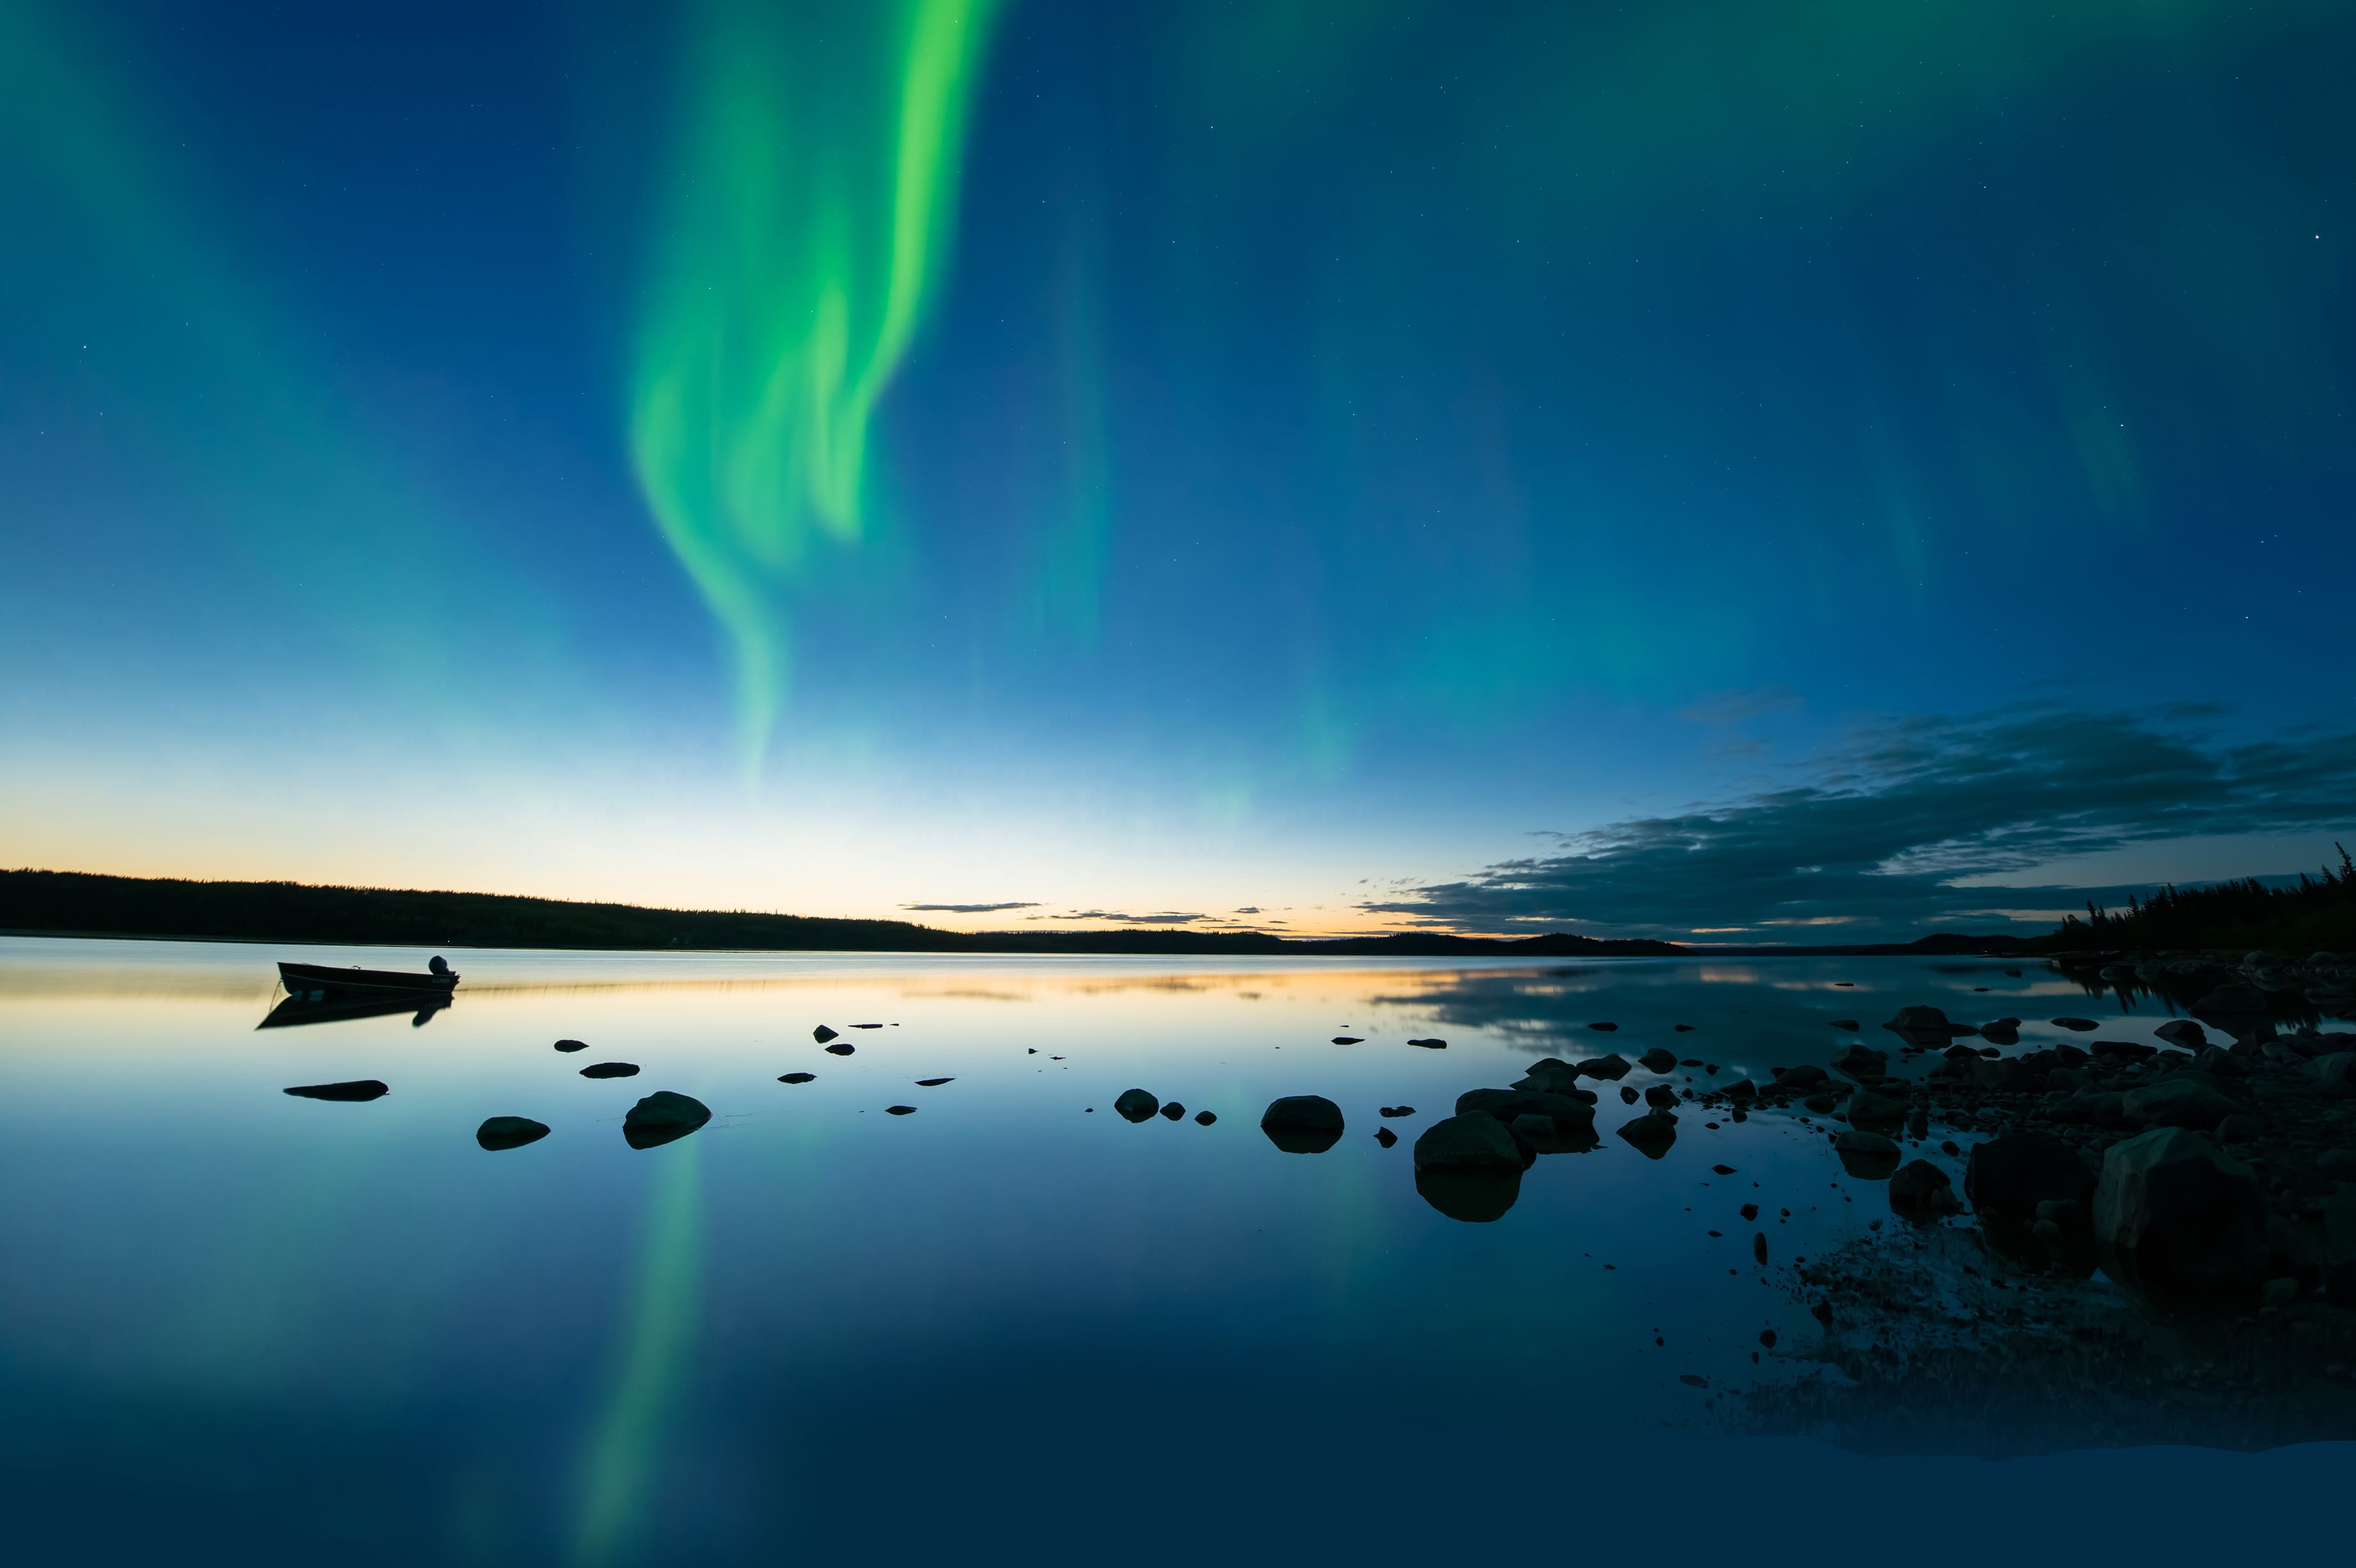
x: 2201, y: 1172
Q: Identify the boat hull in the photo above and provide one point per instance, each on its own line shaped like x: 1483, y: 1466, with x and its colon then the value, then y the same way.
x: 300, y: 977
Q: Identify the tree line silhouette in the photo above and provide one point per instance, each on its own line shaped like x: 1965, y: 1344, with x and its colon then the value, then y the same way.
x: 2316, y: 915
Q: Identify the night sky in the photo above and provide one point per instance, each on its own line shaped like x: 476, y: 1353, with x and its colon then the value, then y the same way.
x: 1799, y: 471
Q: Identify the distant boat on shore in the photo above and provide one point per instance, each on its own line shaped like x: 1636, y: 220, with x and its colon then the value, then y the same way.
x: 316, y: 982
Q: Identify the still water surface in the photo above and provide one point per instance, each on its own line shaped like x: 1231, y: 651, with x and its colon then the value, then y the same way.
x: 240, y: 1326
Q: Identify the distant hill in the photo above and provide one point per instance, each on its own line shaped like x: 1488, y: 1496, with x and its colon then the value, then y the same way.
x: 79, y: 903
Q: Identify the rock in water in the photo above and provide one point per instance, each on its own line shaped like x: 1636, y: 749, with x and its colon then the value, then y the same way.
x: 2176, y: 1103
x: 1607, y: 1028
x: 1650, y: 1135
x: 1473, y: 1141
x: 1474, y: 1196
x: 2179, y: 1220
x: 2083, y: 1026
x: 797, y: 1078
x: 610, y: 1070
x: 357, y: 1089
x: 933, y: 1083
x: 1869, y: 1156
x: 2009, y: 1176
x: 1205, y: 1118
x: 1661, y: 1097
x: 2183, y: 1032
x: 1430, y: 1044
x: 896, y: 1109
x: 662, y: 1117
x: 1658, y: 1059
x: 1919, y: 1190
x: 840, y: 1048
x: 1385, y: 1136
x: 1349, y: 1039
x: 1174, y: 1112
x: 510, y: 1132
x: 1862, y: 1062
x: 1868, y: 1109
x: 1136, y: 1105
x: 1614, y: 1067
x: 1566, y: 1111
x: 572, y: 1045
x: 1923, y: 1022
x: 1302, y: 1124
x: 822, y: 1034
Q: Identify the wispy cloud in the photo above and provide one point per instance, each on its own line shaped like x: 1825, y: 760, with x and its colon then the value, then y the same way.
x: 966, y: 909
x: 1878, y: 831
x: 1134, y: 919
x: 1744, y: 702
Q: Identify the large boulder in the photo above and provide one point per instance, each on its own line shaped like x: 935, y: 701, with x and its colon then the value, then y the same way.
x: 2180, y: 1221
x: 661, y: 1117
x: 1614, y: 1066
x: 1660, y: 1059
x: 1302, y: 1124
x: 1868, y: 1109
x: 1476, y: 1196
x: 1552, y: 1077
x: 2179, y: 1102
x: 2009, y: 1176
x: 2183, y: 1033
x: 1469, y: 1141
x: 1136, y: 1105
x: 1808, y: 1075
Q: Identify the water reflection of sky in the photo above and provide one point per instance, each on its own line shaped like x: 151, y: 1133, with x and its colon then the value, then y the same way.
x: 1004, y: 1321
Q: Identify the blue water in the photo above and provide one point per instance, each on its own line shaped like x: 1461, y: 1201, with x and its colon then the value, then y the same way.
x: 237, y: 1325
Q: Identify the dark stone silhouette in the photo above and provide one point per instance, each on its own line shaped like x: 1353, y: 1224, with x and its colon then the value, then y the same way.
x: 1652, y: 1134
x: 510, y: 1132
x: 933, y: 1083
x: 1921, y: 1191
x: 1398, y: 1111
x: 2179, y: 1220
x: 840, y: 1048
x: 1474, y: 1197
x: 822, y: 1034
x: 1660, y: 1059
x: 1175, y: 1111
x: 1205, y: 1118
x: 357, y: 1089
x: 570, y: 1045
x: 1385, y: 1136
x: 1349, y: 1039
x: 1430, y: 1044
x: 1869, y: 1156
x: 797, y: 1078
x: 610, y: 1070
x: 1136, y: 1105
x: 899, y: 1110
x: 663, y: 1117
x: 1302, y: 1124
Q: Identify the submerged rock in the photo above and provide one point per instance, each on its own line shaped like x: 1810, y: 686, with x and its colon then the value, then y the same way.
x: 1659, y: 1060
x: 610, y: 1070
x: 1136, y: 1105
x: 822, y: 1034
x: 896, y: 1109
x: 661, y: 1117
x: 355, y: 1089
x: 1506, y: 1104
x: 1476, y: 1196
x: 1926, y: 1023
x: 569, y: 1045
x: 1349, y: 1039
x: 1430, y: 1044
x: 840, y: 1048
x: 2083, y: 1026
x: 797, y: 1078
x: 2180, y: 1221
x: 1385, y: 1136
x: 2183, y: 1032
x: 1205, y: 1118
x: 1614, y: 1066
x: 510, y: 1132
x: 1398, y: 1111
x: 1302, y: 1124
x: 1173, y: 1111
x: 1868, y: 1109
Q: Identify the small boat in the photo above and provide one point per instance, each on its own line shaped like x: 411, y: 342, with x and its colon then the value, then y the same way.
x: 304, y: 979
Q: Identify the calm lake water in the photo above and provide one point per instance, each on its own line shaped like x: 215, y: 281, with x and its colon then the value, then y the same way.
x: 240, y: 1326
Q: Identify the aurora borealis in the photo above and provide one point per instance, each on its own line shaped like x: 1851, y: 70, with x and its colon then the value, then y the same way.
x: 1262, y: 464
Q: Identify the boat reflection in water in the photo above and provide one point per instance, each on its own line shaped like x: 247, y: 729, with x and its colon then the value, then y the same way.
x: 335, y: 1008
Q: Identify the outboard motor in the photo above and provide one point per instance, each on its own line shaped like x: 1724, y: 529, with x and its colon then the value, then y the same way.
x: 439, y: 966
